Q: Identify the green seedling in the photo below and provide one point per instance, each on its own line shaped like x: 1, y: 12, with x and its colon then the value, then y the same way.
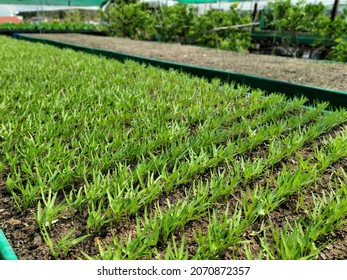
x: 48, y: 213
x: 176, y: 252
x: 63, y: 245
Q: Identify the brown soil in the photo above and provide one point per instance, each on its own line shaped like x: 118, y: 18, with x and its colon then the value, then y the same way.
x: 314, y: 73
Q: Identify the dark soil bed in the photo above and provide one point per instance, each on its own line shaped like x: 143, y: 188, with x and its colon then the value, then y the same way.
x: 316, y: 73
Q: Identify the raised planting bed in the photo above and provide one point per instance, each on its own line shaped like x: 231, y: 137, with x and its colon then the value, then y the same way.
x: 336, y: 99
x: 109, y: 160
x: 315, y: 73
x: 47, y: 27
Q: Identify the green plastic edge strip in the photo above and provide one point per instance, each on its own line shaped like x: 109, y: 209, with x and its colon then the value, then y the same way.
x: 335, y: 98
x: 6, y: 251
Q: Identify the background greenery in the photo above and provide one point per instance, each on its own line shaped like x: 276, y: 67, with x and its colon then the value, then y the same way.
x: 183, y: 24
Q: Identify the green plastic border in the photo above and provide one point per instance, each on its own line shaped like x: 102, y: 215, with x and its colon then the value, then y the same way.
x: 335, y: 98
x: 6, y: 251
x: 303, y: 38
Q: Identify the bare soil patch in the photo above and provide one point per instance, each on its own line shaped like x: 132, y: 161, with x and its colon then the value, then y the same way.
x: 315, y: 73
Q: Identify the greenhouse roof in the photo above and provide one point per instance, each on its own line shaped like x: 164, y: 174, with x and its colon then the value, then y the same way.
x: 13, y: 7
x: 55, y: 2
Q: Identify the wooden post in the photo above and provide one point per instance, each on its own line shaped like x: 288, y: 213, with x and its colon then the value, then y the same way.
x: 334, y: 11
x: 255, y: 10
x: 254, y: 15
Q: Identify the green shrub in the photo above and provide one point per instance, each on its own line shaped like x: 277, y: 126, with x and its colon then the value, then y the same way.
x: 291, y: 19
x: 299, y: 17
x: 174, y: 23
x: 229, y: 39
x: 339, y: 52
x: 179, y: 23
x: 130, y: 20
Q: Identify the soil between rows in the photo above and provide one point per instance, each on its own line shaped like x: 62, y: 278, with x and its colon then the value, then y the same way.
x: 315, y: 73
x: 24, y: 235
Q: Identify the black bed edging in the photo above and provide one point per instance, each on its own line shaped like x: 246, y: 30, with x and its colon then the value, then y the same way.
x: 335, y: 98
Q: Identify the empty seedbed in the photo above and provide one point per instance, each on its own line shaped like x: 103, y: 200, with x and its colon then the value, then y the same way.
x: 107, y: 160
x: 303, y: 71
